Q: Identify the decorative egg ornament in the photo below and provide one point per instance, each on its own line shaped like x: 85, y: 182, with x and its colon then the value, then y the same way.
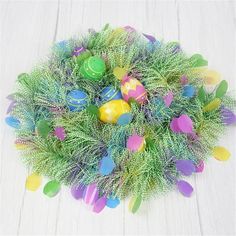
x: 93, y: 68
x: 130, y: 86
x: 110, y: 93
x: 112, y: 110
x: 116, y: 114
x: 77, y: 100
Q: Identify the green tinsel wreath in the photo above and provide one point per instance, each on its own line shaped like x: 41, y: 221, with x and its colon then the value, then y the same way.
x: 75, y: 127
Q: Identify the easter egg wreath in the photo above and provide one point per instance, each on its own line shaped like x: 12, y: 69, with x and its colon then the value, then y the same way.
x: 116, y: 114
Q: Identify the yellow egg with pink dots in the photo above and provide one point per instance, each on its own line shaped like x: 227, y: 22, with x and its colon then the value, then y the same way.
x: 112, y: 110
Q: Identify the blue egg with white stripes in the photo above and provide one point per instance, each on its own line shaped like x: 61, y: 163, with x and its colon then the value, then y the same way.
x: 110, y: 93
x: 77, y: 100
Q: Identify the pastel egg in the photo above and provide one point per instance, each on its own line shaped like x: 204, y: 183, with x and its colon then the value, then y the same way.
x: 77, y: 100
x: 100, y: 204
x: 110, y: 93
x: 77, y: 191
x: 91, y: 194
x: 221, y: 153
x: 211, y: 77
x: 135, y: 203
x: 213, y: 105
x: 106, y: 166
x: 52, y: 188
x: 13, y: 122
x: 124, y: 119
x: 188, y: 91
x: 132, y: 88
x: 112, y: 110
x: 112, y: 202
x: 33, y: 182
x: 136, y: 143
x: 93, y: 68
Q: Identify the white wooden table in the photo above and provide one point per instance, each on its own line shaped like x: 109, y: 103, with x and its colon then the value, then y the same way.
x: 28, y: 29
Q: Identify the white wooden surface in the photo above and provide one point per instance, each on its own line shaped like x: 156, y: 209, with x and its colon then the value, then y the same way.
x: 27, y: 30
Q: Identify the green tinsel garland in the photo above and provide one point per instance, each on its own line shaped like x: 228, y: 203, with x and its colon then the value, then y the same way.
x: 41, y: 105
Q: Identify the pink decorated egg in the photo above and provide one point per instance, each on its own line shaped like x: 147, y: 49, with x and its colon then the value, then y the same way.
x: 132, y: 88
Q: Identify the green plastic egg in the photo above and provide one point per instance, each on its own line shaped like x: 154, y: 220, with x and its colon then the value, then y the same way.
x: 93, y: 68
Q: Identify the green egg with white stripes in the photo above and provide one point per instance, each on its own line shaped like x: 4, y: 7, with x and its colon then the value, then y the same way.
x: 93, y: 68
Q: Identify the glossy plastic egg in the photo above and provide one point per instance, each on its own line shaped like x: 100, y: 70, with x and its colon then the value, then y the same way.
x: 112, y: 110
x: 132, y: 88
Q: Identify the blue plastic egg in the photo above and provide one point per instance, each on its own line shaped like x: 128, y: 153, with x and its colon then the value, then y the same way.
x: 112, y: 202
x: 106, y: 166
x: 110, y: 93
x: 13, y: 122
x: 77, y: 100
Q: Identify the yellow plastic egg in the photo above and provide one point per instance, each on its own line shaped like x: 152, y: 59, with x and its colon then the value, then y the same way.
x: 112, y: 110
x: 33, y: 182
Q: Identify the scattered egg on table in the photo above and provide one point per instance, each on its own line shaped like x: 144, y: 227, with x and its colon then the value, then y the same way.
x: 33, y: 182
x: 93, y: 68
x: 13, y: 122
x: 100, y: 204
x: 185, y: 188
x: 110, y: 93
x: 52, y: 188
x: 112, y: 202
x: 221, y: 153
x: 135, y: 203
x: 106, y: 165
x: 135, y: 143
x: 77, y: 100
x: 91, y: 194
x: 112, y: 110
x: 77, y: 191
